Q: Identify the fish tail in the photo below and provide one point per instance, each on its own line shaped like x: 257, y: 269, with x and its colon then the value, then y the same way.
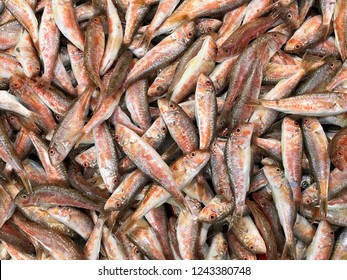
x: 254, y: 102
x: 235, y: 219
x: 289, y: 252
x: 23, y: 176
x: 324, y: 29
x: 181, y: 201
x: 128, y: 224
x: 80, y: 138
x: 309, y: 62
x: 33, y: 121
x: 323, y: 208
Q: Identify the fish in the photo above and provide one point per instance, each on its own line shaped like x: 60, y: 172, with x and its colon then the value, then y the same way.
x: 316, y: 144
x: 173, y: 130
x: 336, y: 150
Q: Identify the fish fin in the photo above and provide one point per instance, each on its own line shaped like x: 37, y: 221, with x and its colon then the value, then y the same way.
x: 289, y: 252
x: 128, y: 224
x: 30, y: 125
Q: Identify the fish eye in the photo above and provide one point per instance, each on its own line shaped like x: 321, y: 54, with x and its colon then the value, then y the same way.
x: 221, y: 191
x: 289, y: 16
x: 332, y: 65
x: 208, y: 83
x: 226, y: 50
x: 245, y: 258
x: 160, y: 88
x: 118, y: 204
x: 238, y: 130
x: 297, y: 46
x: 278, y: 170
x: 171, y: 105
x: 209, y: 29
x: 136, y: 251
x: 339, y: 153
x: 57, y: 117
x: 163, y: 129
x: 85, y: 164
x: 212, y: 217
x: 96, y: 20
x: 51, y: 151
x: 304, y: 184
x: 308, y: 201
x: 24, y: 196
x: 115, y: 181
x: 16, y: 85
x: 275, y: 35
x: 331, y: 233
x: 193, y: 154
x: 190, y: 34
x: 296, y: 123
x: 251, y: 247
x: 116, y: 137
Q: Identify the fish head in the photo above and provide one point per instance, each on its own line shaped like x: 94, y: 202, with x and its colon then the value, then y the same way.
x: 204, y: 85
x: 16, y: 82
x: 121, y: 135
x: 195, y: 161
x: 187, y: 33
x: 293, y: 45
x: 207, y: 25
x: 224, y: 192
x: 339, y: 158
x: 24, y: 199
x: 224, y: 52
x: 159, y: 131
x: 170, y: 111
x: 291, y: 16
x: 212, y: 212
x: 31, y: 68
x: 272, y: 173
x: 111, y: 182
x: 115, y: 202
x: 310, y: 196
x: 156, y: 88
x: 56, y: 156
x: 255, y: 244
x: 277, y: 40
x: 242, y: 131
x: 291, y: 125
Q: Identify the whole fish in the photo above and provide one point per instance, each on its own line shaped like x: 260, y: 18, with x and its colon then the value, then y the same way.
x: 166, y: 51
x: 149, y: 162
x: 284, y: 201
x: 239, y: 162
x: 62, y: 248
x: 316, y: 144
x: 65, y: 18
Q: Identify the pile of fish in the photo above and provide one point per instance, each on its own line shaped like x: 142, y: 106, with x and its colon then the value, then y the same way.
x: 196, y: 129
